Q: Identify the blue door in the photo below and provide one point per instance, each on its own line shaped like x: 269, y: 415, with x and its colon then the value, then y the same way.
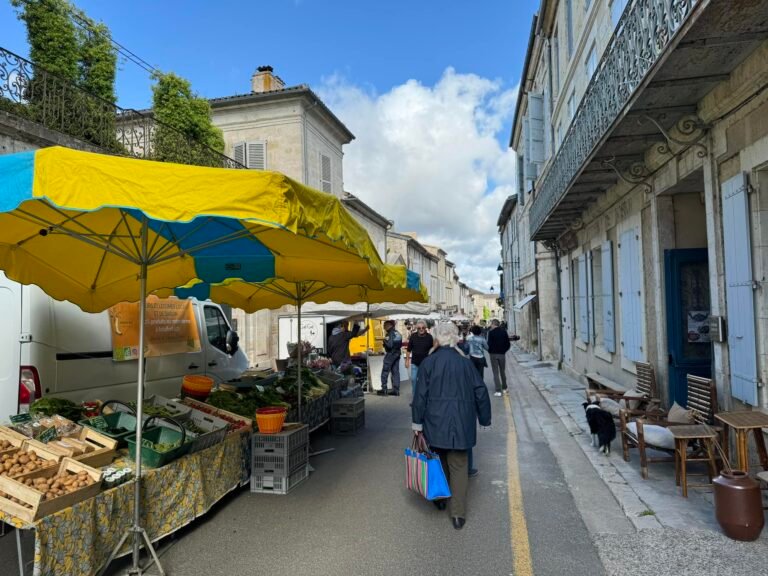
x: 688, y: 340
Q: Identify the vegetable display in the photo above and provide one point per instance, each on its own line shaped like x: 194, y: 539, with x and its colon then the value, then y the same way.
x: 21, y: 462
x: 49, y: 405
x: 62, y: 483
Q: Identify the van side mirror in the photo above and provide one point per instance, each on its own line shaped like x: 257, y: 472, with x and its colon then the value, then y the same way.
x: 232, y: 342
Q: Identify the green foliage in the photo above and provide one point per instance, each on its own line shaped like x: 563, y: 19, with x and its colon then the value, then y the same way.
x: 189, y: 116
x: 51, y: 35
x: 486, y: 313
x: 98, y: 60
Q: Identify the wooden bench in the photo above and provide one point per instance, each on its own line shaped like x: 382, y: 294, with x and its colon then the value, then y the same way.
x: 599, y: 385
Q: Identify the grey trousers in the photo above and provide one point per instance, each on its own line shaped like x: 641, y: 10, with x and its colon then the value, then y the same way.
x: 499, y: 367
x: 391, y: 366
x: 455, y: 467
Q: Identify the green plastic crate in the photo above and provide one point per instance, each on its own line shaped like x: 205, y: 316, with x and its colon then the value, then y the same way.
x: 109, y: 424
x: 159, y: 435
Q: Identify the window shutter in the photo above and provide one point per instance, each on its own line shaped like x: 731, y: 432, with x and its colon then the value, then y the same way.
x: 583, y: 300
x: 617, y: 10
x: 527, y: 166
x: 630, y: 296
x: 609, y: 337
x: 239, y: 153
x: 536, y: 132
x: 257, y: 155
x: 740, y: 298
x: 590, y: 298
x: 547, y: 120
x: 325, y: 173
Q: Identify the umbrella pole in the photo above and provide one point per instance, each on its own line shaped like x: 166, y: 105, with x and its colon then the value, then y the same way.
x: 368, y: 380
x: 298, y: 346
x: 137, y: 532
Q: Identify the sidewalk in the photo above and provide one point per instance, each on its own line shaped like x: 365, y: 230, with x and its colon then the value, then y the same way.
x: 653, y: 503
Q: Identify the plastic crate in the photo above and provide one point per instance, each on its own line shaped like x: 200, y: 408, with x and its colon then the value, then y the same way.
x: 175, y: 408
x: 216, y: 430
x: 279, y: 464
x: 292, y: 437
x: 347, y: 425
x: 150, y: 457
x: 347, y: 407
x: 269, y: 484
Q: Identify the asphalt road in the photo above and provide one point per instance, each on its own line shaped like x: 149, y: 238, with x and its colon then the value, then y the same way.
x: 354, y: 517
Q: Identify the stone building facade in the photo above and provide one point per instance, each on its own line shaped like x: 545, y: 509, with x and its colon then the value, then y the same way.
x: 643, y: 147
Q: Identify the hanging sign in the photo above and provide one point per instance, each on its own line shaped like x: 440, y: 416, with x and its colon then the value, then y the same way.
x: 170, y: 328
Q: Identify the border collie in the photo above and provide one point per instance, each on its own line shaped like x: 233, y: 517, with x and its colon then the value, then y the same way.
x: 601, y: 425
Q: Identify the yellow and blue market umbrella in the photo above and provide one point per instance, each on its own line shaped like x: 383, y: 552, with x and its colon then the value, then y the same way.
x: 98, y: 230
x: 80, y: 225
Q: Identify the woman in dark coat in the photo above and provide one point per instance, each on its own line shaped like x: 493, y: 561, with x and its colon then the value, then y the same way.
x: 450, y: 399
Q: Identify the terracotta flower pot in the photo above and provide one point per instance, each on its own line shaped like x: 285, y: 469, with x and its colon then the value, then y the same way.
x: 738, y: 505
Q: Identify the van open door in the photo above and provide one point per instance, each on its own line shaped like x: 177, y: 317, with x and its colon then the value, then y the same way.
x: 10, y: 348
x: 224, y: 360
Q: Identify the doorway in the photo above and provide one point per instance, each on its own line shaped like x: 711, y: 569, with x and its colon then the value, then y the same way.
x: 689, y: 341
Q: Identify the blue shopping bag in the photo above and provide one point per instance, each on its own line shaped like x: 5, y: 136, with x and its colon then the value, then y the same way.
x: 423, y: 472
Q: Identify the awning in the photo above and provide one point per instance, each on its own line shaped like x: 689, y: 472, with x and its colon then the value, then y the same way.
x: 524, y: 302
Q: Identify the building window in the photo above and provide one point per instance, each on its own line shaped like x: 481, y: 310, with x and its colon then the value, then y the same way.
x: 252, y: 154
x: 572, y: 106
x: 325, y: 173
x: 630, y: 295
x: 569, y: 25
x: 581, y: 309
x: 591, y: 62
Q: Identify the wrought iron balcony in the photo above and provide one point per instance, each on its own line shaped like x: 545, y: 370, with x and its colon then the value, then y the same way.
x: 644, y: 33
x: 28, y: 91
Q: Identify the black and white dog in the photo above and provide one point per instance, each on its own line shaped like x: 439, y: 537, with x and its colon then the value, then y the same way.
x: 601, y: 425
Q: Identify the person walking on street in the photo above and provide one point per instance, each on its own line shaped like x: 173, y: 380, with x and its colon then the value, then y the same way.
x: 498, y: 345
x: 420, y: 343
x: 338, y: 343
x: 393, y: 341
x: 450, y: 399
x: 477, y: 349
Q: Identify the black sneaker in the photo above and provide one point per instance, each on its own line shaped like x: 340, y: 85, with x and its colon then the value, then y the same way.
x: 381, y: 392
x: 395, y: 393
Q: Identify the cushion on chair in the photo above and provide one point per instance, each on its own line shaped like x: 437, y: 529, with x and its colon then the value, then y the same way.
x: 632, y: 399
x: 611, y: 406
x: 657, y: 436
x: 679, y: 415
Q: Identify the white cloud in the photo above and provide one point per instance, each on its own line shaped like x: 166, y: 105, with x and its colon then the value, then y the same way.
x: 433, y: 159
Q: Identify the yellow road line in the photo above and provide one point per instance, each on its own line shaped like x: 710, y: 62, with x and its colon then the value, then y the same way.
x: 521, y: 549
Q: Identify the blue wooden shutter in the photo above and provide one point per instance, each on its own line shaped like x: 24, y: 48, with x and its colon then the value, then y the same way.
x: 740, y: 299
x: 583, y: 306
x: 630, y: 296
x: 609, y: 337
x: 590, y: 299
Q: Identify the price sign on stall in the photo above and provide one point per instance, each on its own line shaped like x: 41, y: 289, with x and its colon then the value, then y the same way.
x: 99, y: 422
x: 48, y: 435
x: 20, y: 418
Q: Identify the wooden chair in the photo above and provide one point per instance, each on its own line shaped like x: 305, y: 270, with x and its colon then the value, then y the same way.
x: 645, y: 385
x: 702, y: 401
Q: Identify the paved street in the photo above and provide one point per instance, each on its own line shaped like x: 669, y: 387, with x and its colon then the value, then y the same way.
x: 354, y: 517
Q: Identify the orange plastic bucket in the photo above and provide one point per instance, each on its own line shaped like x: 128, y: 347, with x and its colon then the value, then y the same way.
x: 196, y: 386
x: 270, y: 420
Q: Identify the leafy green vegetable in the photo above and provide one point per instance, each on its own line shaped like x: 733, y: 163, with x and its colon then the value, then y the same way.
x: 50, y: 405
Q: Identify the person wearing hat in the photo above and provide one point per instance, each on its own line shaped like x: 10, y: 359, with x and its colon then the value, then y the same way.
x: 393, y: 341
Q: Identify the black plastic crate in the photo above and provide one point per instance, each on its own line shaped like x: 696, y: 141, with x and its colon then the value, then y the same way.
x: 270, y: 484
x: 279, y: 464
x: 284, y: 442
x: 347, y: 425
x: 347, y: 407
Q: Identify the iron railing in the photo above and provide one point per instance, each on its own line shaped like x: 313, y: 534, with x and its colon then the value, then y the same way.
x: 29, y: 91
x: 644, y: 32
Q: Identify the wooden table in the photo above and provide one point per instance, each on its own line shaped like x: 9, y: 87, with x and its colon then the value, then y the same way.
x: 742, y: 422
x: 683, y: 435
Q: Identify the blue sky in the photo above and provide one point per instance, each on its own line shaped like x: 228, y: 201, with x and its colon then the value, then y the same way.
x: 362, y: 57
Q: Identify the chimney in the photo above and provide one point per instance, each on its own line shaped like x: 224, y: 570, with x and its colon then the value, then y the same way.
x: 264, y: 80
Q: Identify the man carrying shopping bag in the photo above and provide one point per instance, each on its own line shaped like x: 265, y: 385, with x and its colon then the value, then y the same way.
x: 450, y: 399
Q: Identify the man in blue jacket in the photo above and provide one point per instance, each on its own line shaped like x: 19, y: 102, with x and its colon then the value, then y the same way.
x: 450, y: 400
x: 498, y: 346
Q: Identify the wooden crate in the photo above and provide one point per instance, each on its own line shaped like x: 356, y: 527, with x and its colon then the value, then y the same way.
x: 8, y: 433
x: 40, y: 449
x: 33, y: 506
x: 223, y: 414
x: 104, y: 448
x: 14, y: 438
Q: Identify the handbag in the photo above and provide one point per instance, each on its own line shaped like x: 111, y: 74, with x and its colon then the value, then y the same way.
x: 424, y: 473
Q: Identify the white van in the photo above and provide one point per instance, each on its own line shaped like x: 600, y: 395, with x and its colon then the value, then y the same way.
x: 49, y: 347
